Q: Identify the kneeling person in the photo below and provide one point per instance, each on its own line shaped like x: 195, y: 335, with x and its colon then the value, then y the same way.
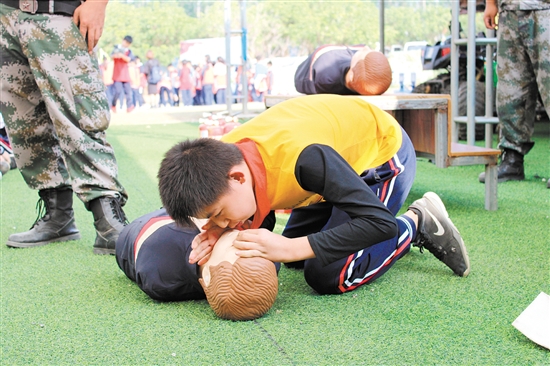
x: 153, y: 251
x: 342, y: 165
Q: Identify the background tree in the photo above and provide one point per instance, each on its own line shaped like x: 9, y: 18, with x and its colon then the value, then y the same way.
x: 157, y: 26
x: 275, y: 28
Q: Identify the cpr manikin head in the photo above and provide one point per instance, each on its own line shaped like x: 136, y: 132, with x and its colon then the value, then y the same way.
x: 238, y: 288
x: 369, y: 72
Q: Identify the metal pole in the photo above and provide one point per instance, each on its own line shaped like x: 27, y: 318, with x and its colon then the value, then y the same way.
x: 489, y: 87
x: 471, y: 74
x: 228, y: 94
x: 244, y: 59
x: 455, y: 35
x: 381, y: 27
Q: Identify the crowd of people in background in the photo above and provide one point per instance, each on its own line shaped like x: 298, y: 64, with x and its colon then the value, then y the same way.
x: 131, y: 83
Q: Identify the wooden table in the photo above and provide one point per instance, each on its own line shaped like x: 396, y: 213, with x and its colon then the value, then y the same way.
x: 427, y: 120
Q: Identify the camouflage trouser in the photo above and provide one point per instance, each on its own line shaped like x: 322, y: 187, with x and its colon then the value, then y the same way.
x: 54, y: 105
x: 523, y: 68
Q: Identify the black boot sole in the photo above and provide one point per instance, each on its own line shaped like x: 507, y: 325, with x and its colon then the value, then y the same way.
x: 506, y: 179
x: 16, y: 244
x: 503, y: 179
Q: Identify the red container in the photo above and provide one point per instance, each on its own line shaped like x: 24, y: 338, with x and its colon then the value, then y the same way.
x: 215, y: 132
x: 203, y: 130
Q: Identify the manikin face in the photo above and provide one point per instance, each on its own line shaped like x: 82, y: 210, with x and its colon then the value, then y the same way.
x: 370, y: 73
x: 222, y: 251
x: 357, y: 56
x: 235, y: 206
x: 238, y: 288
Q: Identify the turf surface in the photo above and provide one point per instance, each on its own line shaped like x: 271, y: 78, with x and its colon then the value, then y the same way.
x: 61, y: 304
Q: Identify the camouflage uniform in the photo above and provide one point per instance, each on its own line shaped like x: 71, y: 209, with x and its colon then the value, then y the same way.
x: 523, y: 64
x: 54, y: 104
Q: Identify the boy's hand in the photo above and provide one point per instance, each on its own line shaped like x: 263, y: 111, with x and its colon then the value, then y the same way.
x: 203, y: 243
x: 263, y: 243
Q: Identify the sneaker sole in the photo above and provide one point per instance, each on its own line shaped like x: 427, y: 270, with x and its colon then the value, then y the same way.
x: 436, y: 201
x: 15, y: 244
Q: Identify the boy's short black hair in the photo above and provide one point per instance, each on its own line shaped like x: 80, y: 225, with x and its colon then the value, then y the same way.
x: 194, y: 174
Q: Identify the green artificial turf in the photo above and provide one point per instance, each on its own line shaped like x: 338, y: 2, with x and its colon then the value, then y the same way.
x: 61, y: 304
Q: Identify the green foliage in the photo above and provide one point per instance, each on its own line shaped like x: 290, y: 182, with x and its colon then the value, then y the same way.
x: 404, y: 25
x: 158, y: 26
x: 277, y: 27
x: 274, y: 28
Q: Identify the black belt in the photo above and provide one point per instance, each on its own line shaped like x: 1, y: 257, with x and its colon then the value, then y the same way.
x: 44, y: 6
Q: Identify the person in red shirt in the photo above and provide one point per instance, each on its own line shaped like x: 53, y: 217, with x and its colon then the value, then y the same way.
x: 122, y: 55
x: 186, y: 83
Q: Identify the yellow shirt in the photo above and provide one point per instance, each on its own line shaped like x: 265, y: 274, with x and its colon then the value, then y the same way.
x: 364, y: 135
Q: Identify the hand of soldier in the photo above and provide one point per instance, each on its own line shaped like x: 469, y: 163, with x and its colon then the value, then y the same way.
x: 490, y: 14
x: 89, y: 18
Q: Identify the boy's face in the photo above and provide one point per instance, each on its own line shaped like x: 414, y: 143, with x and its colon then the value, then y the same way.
x: 234, y: 207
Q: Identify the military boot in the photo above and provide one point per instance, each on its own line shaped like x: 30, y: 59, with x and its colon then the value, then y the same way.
x: 109, y: 220
x: 55, y: 220
x: 4, y: 167
x: 13, y: 164
x: 510, y: 168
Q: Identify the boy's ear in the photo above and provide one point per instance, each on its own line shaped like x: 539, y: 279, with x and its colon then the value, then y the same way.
x: 238, y: 176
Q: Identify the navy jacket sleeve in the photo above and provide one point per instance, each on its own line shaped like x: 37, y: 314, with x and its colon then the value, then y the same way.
x: 302, y: 81
x: 322, y: 170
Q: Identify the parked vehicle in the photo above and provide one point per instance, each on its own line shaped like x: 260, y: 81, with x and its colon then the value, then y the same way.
x: 438, y: 57
x: 416, y: 45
